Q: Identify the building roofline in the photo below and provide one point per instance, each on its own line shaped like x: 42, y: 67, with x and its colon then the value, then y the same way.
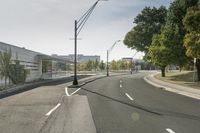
x: 20, y: 47
x: 42, y: 56
x: 38, y: 53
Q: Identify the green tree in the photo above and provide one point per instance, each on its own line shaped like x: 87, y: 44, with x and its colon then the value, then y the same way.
x: 5, y: 61
x: 192, y: 38
x: 192, y: 43
x: 102, y: 65
x: 89, y: 65
x: 122, y: 64
x: 159, y: 54
x: 113, y: 65
x: 96, y: 64
x: 82, y: 67
x: 148, y: 23
x: 174, y: 31
x: 130, y: 65
x: 17, y: 73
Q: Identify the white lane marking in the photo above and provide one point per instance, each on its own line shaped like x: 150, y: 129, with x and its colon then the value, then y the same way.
x: 67, y: 93
x: 169, y: 130
x: 120, y: 85
x: 49, y: 113
x: 75, y: 91
x: 120, y: 81
x: 129, y: 96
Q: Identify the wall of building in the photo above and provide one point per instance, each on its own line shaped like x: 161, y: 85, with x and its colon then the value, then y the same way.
x: 33, y: 62
x: 26, y: 57
x: 80, y: 58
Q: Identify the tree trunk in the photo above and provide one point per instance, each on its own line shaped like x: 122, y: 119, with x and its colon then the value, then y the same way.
x: 180, y: 69
x: 198, y: 69
x: 5, y: 82
x: 163, y: 71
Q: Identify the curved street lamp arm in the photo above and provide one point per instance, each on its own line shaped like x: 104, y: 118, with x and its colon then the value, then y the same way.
x: 111, y: 48
x: 80, y: 26
x: 81, y: 22
x: 135, y: 54
x: 87, y: 12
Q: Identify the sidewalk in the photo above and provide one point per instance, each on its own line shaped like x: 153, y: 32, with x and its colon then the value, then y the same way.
x: 179, y: 89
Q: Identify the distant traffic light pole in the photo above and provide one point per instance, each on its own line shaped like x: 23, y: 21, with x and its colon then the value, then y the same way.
x: 108, y: 52
x: 78, y: 27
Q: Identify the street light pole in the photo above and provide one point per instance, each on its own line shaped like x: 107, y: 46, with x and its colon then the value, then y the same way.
x: 107, y: 65
x: 75, y: 81
x: 108, y: 52
x: 78, y: 27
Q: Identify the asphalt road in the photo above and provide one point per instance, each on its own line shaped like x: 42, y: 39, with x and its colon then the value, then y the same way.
x: 117, y: 104
x: 24, y: 111
x: 127, y: 104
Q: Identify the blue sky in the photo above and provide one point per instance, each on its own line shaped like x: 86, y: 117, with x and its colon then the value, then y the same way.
x: 47, y: 25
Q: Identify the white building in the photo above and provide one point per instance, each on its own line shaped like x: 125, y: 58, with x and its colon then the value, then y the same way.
x: 80, y: 58
x: 38, y: 65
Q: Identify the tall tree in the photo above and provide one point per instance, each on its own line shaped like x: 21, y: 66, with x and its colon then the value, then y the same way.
x: 173, y: 32
x: 89, y: 65
x: 82, y: 67
x: 159, y: 54
x: 18, y: 73
x: 102, y: 65
x: 131, y: 64
x: 96, y: 64
x: 192, y: 38
x: 113, y: 65
x: 5, y: 61
x: 148, y: 23
x: 122, y: 64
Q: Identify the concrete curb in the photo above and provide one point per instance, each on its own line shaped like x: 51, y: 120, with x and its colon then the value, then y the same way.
x: 25, y: 87
x: 87, y: 80
x: 173, y: 89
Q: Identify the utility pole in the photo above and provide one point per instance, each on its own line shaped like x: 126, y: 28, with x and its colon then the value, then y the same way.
x: 78, y: 27
x: 107, y: 65
x: 75, y: 81
x: 108, y: 52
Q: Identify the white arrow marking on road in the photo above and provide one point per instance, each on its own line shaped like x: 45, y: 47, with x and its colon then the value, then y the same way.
x: 129, y: 96
x: 67, y: 93
x: 169, y: 130
x: 49, y: 113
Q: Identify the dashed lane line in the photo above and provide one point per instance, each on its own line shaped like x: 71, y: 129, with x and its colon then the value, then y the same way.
x: 170, y: 130
x: 129, y: 96
x: 52, y: 110
x: 67, y: 93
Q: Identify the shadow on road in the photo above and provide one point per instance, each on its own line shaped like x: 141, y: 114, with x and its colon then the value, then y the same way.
x: 148, y: 109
